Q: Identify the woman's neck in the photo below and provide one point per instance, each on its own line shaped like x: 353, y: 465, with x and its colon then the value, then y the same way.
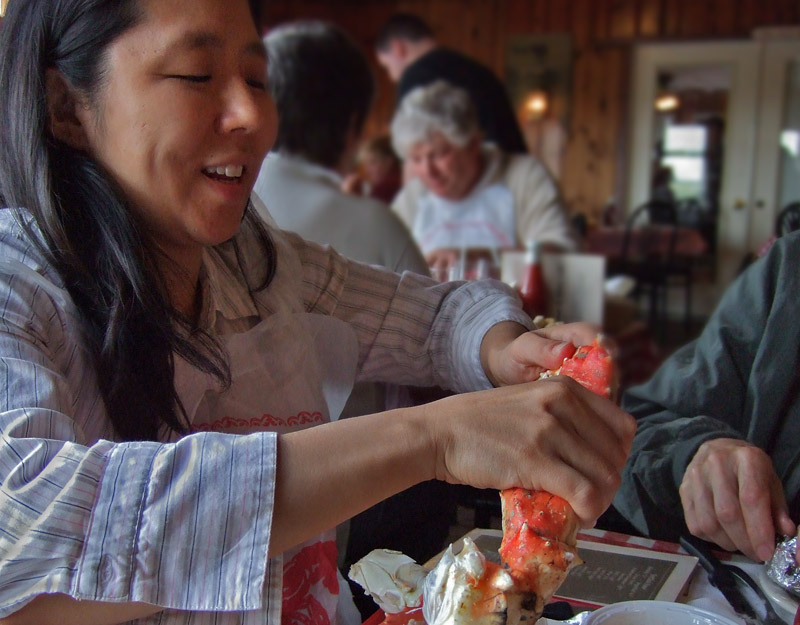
x: 182, y: 282
x: 187, y: 300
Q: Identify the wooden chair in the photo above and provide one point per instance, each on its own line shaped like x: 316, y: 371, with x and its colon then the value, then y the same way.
x: 652, y: 264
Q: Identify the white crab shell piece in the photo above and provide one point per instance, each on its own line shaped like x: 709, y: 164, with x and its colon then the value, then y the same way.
x: 459, y: 583
x: 392, y: 579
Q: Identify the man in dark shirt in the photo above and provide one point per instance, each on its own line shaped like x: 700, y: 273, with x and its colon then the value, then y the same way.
x: 407, y: 49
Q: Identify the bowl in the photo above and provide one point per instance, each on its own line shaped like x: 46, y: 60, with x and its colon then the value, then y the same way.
x: 655, y: 613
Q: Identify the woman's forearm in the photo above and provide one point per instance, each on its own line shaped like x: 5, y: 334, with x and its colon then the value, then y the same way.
x: 330, y: 473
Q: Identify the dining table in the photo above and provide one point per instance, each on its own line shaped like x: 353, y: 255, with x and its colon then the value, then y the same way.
x: 653, y: 238
x: 698, y: 591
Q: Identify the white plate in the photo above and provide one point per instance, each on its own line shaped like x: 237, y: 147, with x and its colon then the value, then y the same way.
x: 785, y: 604
x: 654, y: 613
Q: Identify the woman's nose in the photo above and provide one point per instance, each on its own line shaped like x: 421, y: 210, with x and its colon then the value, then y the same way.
x: 242, y: 108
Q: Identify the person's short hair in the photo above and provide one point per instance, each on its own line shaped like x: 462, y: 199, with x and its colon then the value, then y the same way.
x: 402, y: 26
x: 437, y: 107
x: 322, y: 85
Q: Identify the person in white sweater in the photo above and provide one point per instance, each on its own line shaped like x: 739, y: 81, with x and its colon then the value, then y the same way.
x: 464, y: 195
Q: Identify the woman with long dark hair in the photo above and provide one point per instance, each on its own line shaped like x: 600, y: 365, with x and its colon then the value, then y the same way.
x: 165, y: 353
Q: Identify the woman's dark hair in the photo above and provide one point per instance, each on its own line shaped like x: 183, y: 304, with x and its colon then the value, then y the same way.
x: 107, y: 261
x: 322, y: 85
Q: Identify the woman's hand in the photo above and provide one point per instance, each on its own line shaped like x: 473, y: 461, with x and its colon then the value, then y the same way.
x: 512, y: 355
x: 551, y: 435
x: 732, y: 497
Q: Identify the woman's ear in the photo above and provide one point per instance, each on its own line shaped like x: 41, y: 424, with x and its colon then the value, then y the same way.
x: 62, y: 104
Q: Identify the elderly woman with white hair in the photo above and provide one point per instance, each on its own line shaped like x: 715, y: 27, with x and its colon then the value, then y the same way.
x: 463, y: 195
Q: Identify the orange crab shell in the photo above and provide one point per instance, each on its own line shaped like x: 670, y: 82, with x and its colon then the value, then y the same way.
x: 539, y: 533
x: 592, y: 367
x: 545, y: 514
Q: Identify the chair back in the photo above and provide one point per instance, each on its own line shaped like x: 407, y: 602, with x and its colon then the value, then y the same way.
x: 661, y: 212
x: 788, y: 219
x: 656, y: 212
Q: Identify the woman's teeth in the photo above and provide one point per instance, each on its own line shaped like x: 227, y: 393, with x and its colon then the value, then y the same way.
x: 229, y: 171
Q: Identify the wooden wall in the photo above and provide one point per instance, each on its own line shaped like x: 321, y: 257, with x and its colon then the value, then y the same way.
x: 603, y: 33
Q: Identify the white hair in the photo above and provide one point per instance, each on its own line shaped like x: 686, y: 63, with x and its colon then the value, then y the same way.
x: 437, y: 107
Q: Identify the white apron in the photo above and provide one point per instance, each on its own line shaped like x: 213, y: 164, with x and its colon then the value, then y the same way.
x: 484, y: 219
x: 289, y: 372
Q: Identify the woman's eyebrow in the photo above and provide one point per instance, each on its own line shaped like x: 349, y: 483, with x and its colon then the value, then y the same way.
x: 195, y: 40
x: 202, y: 39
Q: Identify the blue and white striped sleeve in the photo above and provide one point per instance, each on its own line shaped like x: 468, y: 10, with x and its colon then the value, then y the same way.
x: 183, y: 525
x: 411, y: 329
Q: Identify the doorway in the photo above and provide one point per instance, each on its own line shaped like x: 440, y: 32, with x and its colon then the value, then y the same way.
x: 716, y: 127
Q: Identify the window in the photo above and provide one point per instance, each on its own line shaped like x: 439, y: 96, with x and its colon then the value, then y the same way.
x: 684, y: 154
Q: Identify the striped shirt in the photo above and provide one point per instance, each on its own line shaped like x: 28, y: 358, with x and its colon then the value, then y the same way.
x: 184, y: 524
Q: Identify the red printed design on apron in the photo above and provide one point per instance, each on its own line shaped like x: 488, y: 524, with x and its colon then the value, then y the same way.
x: 264, y: 422
x: 314, y: 565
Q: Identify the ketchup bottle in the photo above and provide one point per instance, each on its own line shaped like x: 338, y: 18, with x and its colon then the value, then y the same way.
x: 533, y: 289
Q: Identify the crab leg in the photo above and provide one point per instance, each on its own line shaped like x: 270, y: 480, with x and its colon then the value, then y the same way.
x: 539, y: 528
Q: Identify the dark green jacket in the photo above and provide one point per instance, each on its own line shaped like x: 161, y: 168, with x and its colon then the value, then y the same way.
x: 739, y: 379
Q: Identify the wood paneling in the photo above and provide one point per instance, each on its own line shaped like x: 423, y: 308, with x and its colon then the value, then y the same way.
x: 603, y: 34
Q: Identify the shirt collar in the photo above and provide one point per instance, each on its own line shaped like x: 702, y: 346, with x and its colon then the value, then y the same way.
x: 303, y: 167
x: 224, y: 292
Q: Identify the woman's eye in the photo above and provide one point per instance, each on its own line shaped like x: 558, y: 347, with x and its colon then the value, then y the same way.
x: 258, y: 84
x: 193, y: 78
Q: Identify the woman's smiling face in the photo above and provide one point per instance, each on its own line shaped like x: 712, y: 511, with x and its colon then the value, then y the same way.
x: 183, y: 120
